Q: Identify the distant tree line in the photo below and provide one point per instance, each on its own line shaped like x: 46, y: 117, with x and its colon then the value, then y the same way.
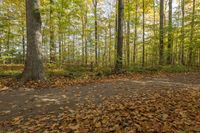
x: 117, y: 34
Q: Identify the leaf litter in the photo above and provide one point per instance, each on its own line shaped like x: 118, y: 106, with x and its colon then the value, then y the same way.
x: 141, y: 110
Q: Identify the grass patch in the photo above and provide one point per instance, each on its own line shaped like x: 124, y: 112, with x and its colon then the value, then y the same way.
x: 179, y: 69
x: 12, y: 73
x: 77, y: 71
x: 169, y: 68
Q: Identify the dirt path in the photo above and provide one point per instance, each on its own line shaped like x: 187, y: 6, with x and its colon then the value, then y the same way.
x: 152, y: 104
x: 24, y: 101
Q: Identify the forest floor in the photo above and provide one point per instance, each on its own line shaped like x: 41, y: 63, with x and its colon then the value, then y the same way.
x: 145, y: 103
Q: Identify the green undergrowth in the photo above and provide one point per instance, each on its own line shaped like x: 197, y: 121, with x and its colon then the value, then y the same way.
x: 75, y: 71
x: 169, y: 68
x: 10, y: 73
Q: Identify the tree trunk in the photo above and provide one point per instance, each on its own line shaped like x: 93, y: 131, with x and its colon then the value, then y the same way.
x: 116, y: 30
x: 8, y: 46
x: 96, y: 32
x: 104, y: 62
x: 161, y: 60
x: 128, y: 36
x: 110, y: 42
x: 52, y: 36
x: 34, y: 66
x: 60, y: 36
x: 143, y: 35
x: 23, y: 47
x: 118, y: 65
x: 191, y: 35
x: 86, y: 34
x: 170, y: 41
x: 182, y: 32
x: 135, y: 37
x: 83, y: 41
x: 155, y: 53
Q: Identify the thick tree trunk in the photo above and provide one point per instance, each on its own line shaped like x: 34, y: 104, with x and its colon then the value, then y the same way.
x: 33, y: 66
x: 161, y: 60
x: 170, y: 41
x: 191, y: 35
x: 118, y: 65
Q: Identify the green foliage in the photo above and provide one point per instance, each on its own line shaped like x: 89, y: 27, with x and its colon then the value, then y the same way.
x: 12, y: 73
x: 73, y: 26
x: 169, y: 68
x: 180, y: 68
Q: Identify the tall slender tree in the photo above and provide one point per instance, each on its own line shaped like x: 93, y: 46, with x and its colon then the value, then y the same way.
x: 161, y: 60
x: 182, y: 32
x: 191, y: 34
x: 96, y: 32
x: 143, y: 34
x: 170, y: 41
x: 135, y: 37
x: 118, y: 65
x: 128, y: 36
x: 52, y: 34
x: 34, y: 66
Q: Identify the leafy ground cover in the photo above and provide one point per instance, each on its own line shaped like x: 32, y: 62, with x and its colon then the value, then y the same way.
x: 126, y: 103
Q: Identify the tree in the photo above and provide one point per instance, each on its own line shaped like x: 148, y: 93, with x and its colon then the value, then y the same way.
x: 161, y: 60
x: 191, y: 34
x: 96, y: 32
x: 182, y: 32
x: 128, y: 35
x: 135, y: 37
x: 170, y: 41
x: 52, y: 36
x: 78, y: 27
x: 118, y: 65
x: 143, y: 34
x: 34, y: 66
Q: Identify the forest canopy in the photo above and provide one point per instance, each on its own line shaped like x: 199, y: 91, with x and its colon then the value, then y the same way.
x: 85, y: 32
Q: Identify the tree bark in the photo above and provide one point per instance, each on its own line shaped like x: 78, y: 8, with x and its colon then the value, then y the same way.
x: 161, y: 60
x: 143, y: 35
x: 182, y: 32
x: 170, y: 41
x: 34, y: 66
x: 96, y: 32
x: 191, y: 35
x: 23, y: 47
x: 86, y: 34
x: 52, y: 36
x: 135, y: 37
x: 119, y: 64
x: 116, y: 30
x: 110, y: 42
x: 128, y: 36
x: 83, y: 41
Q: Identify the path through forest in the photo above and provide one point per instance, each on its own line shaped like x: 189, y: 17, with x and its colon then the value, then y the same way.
x: 171, y: 101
